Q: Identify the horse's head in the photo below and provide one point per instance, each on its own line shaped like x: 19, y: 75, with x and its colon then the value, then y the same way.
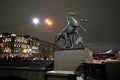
x: 71, y: 13
x: 57, y: 37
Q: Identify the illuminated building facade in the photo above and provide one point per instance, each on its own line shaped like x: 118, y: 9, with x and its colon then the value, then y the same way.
x: 12, y: 45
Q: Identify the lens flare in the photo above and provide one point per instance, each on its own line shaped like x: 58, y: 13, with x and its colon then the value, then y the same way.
x: 48, y: 21
x: 35, y: 20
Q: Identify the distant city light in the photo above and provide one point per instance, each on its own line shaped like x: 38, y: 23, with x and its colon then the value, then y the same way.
x: 48, y: 21
x: 35, y: 20
x: 30, y: 50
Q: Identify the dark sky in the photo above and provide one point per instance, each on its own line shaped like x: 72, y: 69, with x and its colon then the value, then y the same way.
x: 103, y: 27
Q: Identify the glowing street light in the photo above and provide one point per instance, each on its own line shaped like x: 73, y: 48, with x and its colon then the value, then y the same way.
x: 48, y: 21
x: 35, y: 20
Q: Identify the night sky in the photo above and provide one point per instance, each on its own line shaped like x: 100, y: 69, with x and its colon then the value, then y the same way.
x: 103, y: 26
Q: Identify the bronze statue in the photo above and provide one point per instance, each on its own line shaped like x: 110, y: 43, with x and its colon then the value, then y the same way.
x: 70, y: 34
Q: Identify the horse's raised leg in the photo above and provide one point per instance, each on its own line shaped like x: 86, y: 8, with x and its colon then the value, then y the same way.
x: 72, y: 41
x: 66, y: 43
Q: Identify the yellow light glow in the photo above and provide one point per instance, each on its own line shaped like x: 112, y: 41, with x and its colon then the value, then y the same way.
x: 48, y: 21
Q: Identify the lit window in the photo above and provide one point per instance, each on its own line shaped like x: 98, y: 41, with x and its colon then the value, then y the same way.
x: 13, y: 34
x: 0, y: 35
x: 3, y: 41
x: 25, y: 50
x: 14, y: 45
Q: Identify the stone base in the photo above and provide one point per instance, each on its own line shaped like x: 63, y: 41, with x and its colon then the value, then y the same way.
x: 70, y: 59
x: 60, y: 75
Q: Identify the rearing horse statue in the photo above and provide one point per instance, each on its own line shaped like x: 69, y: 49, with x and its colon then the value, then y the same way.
x: 69, y: 33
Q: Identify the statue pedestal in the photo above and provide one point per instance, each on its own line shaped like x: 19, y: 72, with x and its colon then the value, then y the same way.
x: 70, y: 59
x: 66, y: 62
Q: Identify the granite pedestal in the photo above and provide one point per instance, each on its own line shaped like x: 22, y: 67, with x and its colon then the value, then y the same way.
x: 70, y: 59
x: 66, y: 62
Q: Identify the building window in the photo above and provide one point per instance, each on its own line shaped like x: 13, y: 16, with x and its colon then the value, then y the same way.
x: 0, y: 35
x: 13, y: 34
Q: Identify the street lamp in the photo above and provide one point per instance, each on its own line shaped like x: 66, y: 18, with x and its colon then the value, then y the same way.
x: 48, y: 21
x: 35, y: 20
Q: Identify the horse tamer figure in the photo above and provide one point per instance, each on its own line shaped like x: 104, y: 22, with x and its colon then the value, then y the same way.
x: 70, y: 34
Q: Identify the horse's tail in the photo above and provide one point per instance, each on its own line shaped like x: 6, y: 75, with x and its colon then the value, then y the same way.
x: 57, y: 38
